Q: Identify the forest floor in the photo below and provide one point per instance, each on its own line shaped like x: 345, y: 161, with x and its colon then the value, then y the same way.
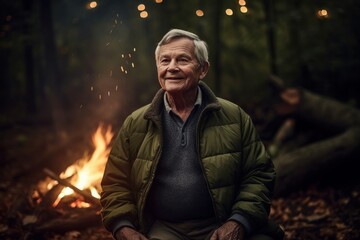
x: 317, y: 212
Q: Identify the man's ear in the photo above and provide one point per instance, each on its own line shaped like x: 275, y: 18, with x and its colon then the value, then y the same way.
x: 204, y: 70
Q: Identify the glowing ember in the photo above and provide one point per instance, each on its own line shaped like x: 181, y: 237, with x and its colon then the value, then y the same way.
x: 86, y: 173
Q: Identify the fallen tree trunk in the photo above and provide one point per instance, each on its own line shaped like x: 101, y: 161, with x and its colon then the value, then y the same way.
x: 303, y: 165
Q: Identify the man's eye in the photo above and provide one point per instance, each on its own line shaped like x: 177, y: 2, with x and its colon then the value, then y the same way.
x: 183, y: 60
x: 164, y: 61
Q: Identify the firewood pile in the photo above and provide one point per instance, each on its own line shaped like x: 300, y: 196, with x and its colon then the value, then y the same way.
x: 34, y: 214
x: 57, y: 205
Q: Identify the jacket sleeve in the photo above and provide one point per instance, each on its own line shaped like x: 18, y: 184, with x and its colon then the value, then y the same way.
x: 257, y: 177
x: 116, y: 198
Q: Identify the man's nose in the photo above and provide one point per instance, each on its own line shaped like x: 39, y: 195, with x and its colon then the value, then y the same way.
x: 173, y: 66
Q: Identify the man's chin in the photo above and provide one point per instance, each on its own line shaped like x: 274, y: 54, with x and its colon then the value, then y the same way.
x: 174, y: 83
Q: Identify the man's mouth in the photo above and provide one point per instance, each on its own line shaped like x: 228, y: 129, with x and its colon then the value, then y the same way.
x: 173, y: 79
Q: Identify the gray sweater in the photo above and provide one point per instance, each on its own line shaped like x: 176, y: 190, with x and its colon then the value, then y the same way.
x: 179, y: 191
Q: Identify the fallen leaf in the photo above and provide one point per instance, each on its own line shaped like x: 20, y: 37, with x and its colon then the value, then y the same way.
x: 28, y: 219
x: 3, y: 228
x: 316, y: 217
x: 72, y: 235
x: 340, y: 225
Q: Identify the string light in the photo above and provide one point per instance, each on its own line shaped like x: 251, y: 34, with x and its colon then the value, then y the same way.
x: 243, y: 9
x: 92, y: 5
x: 199, y: 13
x: 322, y: 13
x: 229, y: 12
x: 144, y: 14
x: 242, y: 2
x: 141, y: 7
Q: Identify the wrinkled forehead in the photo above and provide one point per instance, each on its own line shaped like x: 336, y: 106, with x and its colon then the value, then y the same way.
x: 176, y: 46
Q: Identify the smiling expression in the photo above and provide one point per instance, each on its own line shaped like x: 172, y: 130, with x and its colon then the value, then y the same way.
x: 178, y: 69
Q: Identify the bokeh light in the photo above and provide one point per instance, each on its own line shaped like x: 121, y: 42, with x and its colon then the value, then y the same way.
x: 199, y: 13
x: 229, y: 12
x: 243, y: 9
x: 93, y: 4
x: 141, y: 7
x: 322, y: 13
x: 242, y: 2
x: 144, y: 14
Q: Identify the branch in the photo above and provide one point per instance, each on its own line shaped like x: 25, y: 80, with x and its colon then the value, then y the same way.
x: 88, y: 197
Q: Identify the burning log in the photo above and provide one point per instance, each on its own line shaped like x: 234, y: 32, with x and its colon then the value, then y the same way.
x: 64, y: 202
x: 51, y: 196
x: 78, y: 221
x: 87, y: 197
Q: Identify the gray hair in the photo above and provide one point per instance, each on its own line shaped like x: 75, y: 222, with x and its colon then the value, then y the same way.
x: 201, y: 51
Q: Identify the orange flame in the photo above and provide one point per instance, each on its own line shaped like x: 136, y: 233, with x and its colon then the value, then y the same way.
x: 86, y: 173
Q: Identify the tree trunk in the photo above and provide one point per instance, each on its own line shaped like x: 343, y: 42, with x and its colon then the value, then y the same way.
x: 28, y: 58
x: 302, y: 166
x: 5, y: 83
x: 51, y: 70
x: 269, y: 16
x: 217, y: 53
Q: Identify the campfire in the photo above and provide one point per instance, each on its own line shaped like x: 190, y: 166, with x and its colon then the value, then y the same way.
x: 70, y: 200
x: 84, y: 176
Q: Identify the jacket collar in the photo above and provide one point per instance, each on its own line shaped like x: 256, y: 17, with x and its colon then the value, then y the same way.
x: 157, y: 105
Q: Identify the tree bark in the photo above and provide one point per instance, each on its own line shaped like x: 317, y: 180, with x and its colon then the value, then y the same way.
x: 217, y: 53
x: 270, y: 23
x: 51, y: 70
x: 28, y: 58
x: 300, y: 167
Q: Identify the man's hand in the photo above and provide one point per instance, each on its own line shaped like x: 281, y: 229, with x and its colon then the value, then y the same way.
x: 231, y: 230
x: 128, y: 233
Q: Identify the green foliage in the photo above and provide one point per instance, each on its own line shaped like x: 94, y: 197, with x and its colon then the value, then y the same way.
x: 109, y: 50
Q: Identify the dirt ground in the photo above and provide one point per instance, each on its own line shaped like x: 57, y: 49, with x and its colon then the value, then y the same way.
x: 317, y: 212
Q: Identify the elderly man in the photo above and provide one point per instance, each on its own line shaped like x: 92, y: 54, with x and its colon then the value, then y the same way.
x: 189, y: 165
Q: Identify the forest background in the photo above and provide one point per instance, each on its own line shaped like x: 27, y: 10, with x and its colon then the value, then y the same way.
x: 75, y: 57
x: 67, y: 66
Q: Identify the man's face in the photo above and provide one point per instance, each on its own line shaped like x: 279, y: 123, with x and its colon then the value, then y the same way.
x: 177, y: 66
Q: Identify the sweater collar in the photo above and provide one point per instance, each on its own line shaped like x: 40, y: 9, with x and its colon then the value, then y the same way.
x: 157, y: 104
x: 198, y: 100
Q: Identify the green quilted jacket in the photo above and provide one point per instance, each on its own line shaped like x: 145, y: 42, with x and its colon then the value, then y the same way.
x: 239, y: 172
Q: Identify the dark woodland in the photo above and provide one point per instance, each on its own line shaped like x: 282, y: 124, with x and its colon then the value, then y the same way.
x: 69, y: 69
